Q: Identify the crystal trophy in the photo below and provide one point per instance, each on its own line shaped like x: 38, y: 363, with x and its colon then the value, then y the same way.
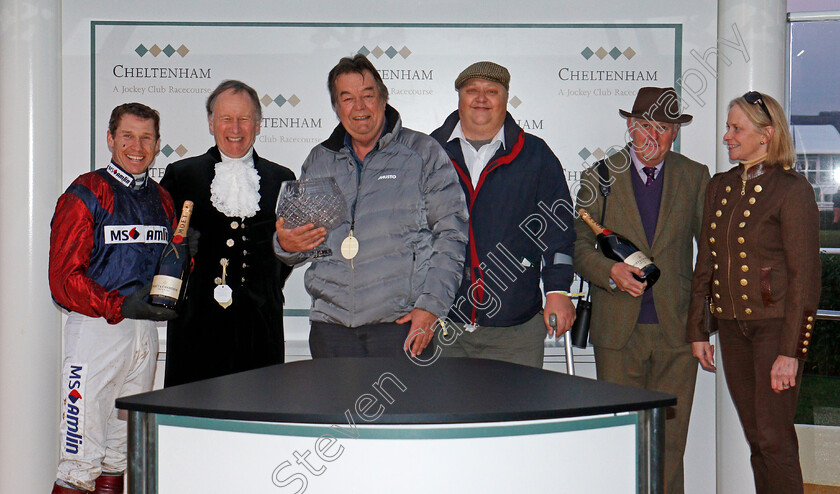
x: 318, y: 201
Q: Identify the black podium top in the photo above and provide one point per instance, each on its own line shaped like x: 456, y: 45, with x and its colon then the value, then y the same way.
x: 448, y: 391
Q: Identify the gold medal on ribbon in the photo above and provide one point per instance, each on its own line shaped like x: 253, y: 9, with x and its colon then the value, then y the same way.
x: 349, y: 246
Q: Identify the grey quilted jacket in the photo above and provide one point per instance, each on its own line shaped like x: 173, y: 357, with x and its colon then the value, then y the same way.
x: 410, y: 221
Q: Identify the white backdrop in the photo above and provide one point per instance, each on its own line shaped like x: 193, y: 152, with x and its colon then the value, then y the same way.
x: 565, y: 58
x: 567, y: 83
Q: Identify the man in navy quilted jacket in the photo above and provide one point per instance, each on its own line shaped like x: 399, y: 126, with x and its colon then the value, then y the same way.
x: 521, y: 228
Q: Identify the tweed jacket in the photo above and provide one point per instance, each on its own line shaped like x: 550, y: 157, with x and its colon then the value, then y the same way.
x: 759, y: 254
x: 614, y: 313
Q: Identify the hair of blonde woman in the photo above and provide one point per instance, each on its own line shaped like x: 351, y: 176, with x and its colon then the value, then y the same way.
x: 780, y: 149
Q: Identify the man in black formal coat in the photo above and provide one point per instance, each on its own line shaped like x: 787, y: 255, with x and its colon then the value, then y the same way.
x: 232, y: 318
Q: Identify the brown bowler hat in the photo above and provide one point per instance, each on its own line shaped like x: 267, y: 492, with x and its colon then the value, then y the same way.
x: 660, y: 104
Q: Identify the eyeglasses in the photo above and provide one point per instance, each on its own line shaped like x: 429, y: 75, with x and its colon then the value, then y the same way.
x: 754, y: 97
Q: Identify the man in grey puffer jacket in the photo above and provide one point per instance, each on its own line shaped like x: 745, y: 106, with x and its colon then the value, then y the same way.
x: 397, y: 259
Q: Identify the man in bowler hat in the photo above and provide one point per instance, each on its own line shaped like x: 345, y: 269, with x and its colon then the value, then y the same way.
x: 656, y: 201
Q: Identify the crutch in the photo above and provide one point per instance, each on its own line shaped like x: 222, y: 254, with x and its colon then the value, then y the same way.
x: 567, y: 339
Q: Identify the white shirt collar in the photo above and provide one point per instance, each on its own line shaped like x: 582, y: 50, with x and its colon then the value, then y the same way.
x: 477, y: 159
x: 248, y: 159
x: 458, y: 133
x: 639, y: 166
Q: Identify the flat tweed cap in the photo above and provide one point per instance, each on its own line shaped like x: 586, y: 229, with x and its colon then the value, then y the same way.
x: 484, y: 70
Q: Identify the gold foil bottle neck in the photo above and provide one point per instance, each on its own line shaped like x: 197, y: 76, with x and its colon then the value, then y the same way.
x: 587, y: 218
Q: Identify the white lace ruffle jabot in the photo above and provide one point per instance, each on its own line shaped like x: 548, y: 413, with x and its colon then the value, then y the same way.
x: 235, y: 188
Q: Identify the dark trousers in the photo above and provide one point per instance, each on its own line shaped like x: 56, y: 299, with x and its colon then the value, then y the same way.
x: 647, y: 361
x: 372, y: 340
x: 748, y: 349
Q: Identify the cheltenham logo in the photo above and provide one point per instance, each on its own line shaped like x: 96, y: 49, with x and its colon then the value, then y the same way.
x: 168, y: 50
x: 602, y: 53
x: 586, y: 153
x: 168, y: 150
x: 390, y: 52
x: 280, y: 100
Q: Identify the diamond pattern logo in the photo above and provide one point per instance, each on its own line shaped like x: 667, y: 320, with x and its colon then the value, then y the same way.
x: 280, y: 100
x: 515, y: 102
x: 615, y: 52
x: 167, y: 150
x: 598, y: 154
x: 155, y: 50
x: 391, y: 51
x: 584, y: 153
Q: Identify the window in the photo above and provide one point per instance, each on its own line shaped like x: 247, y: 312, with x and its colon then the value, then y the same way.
x: 814, y: 110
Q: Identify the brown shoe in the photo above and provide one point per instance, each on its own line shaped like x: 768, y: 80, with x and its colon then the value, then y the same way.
x: 109, y: 484
x: 60, y: 489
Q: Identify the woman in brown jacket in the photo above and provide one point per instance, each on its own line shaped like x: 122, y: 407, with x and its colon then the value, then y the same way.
x: 758, y: 273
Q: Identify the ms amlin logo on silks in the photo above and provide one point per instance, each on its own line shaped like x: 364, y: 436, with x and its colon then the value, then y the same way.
x: 73, y: 410
x: 136, y: 234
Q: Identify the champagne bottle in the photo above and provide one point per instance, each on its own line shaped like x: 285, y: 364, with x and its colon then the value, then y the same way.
x: 618, y: 248
x: 171, y: 275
